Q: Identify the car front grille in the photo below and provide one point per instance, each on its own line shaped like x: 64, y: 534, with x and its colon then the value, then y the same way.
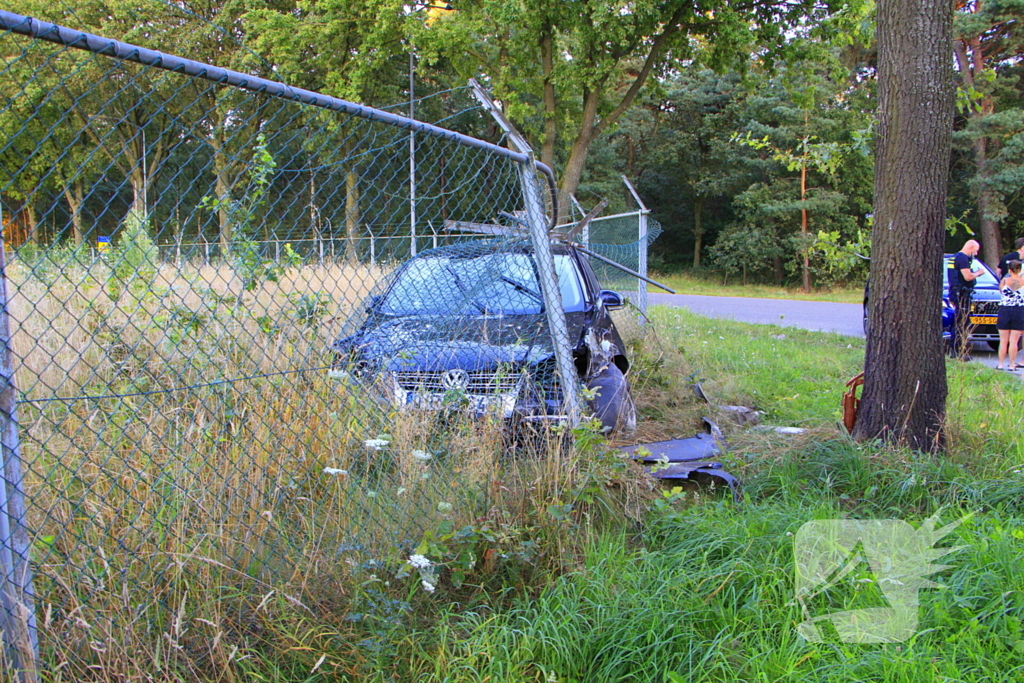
x: 479, y: 381
x: 985, y: 307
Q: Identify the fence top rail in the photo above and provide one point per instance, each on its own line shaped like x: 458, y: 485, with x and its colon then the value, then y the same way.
x: 68, y: 37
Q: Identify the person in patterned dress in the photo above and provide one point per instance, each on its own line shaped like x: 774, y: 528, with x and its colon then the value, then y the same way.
x: 1011, y: 317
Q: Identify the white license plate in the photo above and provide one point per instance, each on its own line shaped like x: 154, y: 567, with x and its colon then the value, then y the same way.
x: 477, y: 404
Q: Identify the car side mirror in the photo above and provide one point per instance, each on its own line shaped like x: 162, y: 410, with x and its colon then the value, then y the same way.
x: 611, y: 300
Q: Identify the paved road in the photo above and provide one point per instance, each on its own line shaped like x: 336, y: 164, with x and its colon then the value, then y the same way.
x: 808, y: 315
x: 845, y: 319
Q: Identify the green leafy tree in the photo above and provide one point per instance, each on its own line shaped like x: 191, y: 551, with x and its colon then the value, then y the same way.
x: 988, y: 44
x: 595, y: 58
x: 692, y: 155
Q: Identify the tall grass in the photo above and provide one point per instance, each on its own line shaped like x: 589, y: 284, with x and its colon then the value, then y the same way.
x: 704, y: 591
x: 199, y: 490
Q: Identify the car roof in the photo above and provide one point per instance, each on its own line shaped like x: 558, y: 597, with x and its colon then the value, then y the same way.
x: 473, y: 248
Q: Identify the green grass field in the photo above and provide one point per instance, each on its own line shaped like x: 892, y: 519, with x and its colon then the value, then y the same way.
x: 711, y: 285
x: 700, y: 589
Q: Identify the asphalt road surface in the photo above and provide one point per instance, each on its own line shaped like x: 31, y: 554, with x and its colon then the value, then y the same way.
x: 823, y: 316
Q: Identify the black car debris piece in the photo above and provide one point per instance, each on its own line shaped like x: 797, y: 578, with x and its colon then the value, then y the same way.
x: 687, y: 459
x: 464, y: 326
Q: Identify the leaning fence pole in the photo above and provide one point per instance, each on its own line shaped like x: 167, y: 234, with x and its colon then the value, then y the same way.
x: 17, y: 598
x: 555, y: 314
x: 541, y: 240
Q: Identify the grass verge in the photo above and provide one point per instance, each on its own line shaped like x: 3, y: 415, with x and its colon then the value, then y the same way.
x: 712, y: 285
x: 251, y: 562
x: 703, y: 589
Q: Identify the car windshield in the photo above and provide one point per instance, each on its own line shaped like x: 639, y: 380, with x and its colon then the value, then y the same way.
x: 501, y: 283
x: 986, y: 279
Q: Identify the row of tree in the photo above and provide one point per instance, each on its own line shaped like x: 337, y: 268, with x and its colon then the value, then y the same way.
x: 746, y: 124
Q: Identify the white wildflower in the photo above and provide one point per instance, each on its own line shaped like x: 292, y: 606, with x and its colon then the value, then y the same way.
x: 427, y: 586
x: 444, y: 507
x: 422, y: 456
x: 371, y: 494
x: 400, y: 491
x: 425, y: 476
x: 337, y: 373
x: 420, y: 561
x: 376, y: 444
x: 335, y: 472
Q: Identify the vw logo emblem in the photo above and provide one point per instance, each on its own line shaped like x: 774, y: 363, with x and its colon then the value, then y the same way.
x: 455, y: 380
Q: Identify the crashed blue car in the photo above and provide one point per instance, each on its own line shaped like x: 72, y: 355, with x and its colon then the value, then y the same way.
x: 464, y: 326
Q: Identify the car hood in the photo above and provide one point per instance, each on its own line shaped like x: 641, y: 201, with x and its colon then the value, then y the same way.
x: 980, y: 293
x: 438, y: 343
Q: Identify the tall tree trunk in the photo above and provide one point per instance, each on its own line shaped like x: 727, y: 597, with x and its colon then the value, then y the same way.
x: 33, y: 222
x: 698, y: 229
x: 991, y: 235
x: 74, y: 194
x: 803, y: 225
x: 580, y: 149
x: 904, y: 396
x: 991, y: 239
x: 352, y: 217
x: 970, y: 59
x: 222, y: 188
x: 314, y: 210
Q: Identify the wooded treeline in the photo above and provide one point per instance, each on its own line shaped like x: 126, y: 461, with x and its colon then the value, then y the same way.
x: 747, y: 126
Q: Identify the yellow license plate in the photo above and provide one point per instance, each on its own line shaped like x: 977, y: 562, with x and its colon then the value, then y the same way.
x: 983, y: 320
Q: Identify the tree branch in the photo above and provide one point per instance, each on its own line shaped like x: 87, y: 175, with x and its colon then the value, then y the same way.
x: 670, y: 29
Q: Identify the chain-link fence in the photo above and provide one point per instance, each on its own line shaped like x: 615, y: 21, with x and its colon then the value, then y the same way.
x: 197, y: 427
x: 625, y: 239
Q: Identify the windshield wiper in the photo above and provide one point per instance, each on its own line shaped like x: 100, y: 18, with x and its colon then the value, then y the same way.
x: 521, y: 287
x: 458, y: 283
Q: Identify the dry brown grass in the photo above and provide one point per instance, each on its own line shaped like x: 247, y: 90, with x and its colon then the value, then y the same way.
x: 67, y: 332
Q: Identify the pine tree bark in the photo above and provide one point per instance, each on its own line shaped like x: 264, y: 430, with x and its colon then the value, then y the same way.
x: 904, y: 395
x: 698, y: 229
x: 970, y: 60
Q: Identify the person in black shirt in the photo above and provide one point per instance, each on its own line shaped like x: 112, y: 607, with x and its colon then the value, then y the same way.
x: 1003, y: 268
x: 961, y: 279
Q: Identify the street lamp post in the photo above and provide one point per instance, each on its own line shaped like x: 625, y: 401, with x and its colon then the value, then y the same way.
x: 412, y: 153
x: 412, y: 134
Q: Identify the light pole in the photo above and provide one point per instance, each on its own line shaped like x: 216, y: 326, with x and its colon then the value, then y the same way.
x: 412, y: 134
x: 412, y: 153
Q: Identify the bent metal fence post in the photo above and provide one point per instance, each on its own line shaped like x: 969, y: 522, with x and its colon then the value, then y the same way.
x: 540, y: 237
x: 200, y: 438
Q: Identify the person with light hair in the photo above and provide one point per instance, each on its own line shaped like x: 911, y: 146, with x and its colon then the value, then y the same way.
x: 961, y: 277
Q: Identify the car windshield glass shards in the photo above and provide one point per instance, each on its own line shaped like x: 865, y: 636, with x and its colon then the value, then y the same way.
x: 490, y: 284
